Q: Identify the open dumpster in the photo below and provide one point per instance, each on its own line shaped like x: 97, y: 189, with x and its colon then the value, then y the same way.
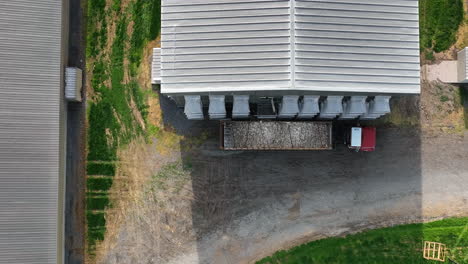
x: 276, y: 135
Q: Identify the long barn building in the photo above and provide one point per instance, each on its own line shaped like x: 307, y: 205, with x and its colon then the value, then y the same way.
x: 33, y: 56
x: 288, y: 58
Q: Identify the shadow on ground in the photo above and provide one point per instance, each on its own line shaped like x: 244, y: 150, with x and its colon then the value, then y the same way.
x: 247, y: 205
x: 464, y: 99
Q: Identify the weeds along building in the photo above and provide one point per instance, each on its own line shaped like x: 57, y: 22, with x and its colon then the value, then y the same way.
x: 288, y: 58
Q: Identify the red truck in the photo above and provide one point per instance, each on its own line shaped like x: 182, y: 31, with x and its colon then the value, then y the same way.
x: 362, y: 139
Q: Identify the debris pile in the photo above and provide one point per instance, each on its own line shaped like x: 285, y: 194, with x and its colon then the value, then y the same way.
x: 275, y: 135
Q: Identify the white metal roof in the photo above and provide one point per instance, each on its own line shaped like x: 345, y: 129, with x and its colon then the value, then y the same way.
x: 31, y: 149
x: 312, y: 45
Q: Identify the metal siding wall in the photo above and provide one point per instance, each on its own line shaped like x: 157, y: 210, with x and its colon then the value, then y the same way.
x: 462, y: 66
x: 30, y: 98
x: 214, y: 45
x: 357, y: 45
x: 466, y: 64
x: 156, y: 66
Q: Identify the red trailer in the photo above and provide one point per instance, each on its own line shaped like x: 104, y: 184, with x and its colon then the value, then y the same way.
x: 368, y: 139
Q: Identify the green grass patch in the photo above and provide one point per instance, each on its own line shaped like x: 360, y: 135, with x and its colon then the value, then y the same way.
x: 147, y: 17
x: 97, y: 194
x: 95, y: 219
x: 439, y: 21
x: 106, y: 169
x: 112, y: 121
x: 444, y: 98
x: 140, y: 99
x: 97, y: 203
x: 97, y: 27
x: 95, y: 235
x: 429, y: 55
x: 400, y: 244
x: 98, y: 184
x: 116, y: 6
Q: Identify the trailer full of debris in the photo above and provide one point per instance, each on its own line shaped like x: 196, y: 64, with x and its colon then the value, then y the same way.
x: 276, y: 135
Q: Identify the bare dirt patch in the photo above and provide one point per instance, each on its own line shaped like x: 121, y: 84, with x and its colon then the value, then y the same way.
x: 441, y: 107
x: 444, y: 71
x: 126, y: 61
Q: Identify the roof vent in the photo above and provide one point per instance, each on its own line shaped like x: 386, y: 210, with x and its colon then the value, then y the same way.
x: 289, y: 107
x: 217, y: 109
x: 241, y: 108
x: 193, y: 107
x: 309, y: 106
x: 354, y: 107
x: 331, y: 107
x: 377, y: 107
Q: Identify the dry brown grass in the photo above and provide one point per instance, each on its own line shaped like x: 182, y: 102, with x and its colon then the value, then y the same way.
x: 144, y: 81
x: 462, y: 35
x: 132, y: 172
x: 144, y: 76
x: 441, y: 108
x: 437, y: 109
x: 151, y: 205
x: 132, y: 205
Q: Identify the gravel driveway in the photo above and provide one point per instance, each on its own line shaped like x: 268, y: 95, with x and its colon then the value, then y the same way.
x: 238, y: 207
x: 248, y: 205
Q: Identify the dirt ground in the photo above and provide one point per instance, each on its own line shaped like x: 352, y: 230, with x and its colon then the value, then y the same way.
x: 444, y: 71
x: 237, y: 207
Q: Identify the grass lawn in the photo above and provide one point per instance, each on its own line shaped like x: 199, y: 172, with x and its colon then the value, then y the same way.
x: 117, y: 33
x: 400, y: 244
x: 439, y: 21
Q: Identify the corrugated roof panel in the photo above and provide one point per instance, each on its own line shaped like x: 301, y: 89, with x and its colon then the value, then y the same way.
x: 337, y: 45
x: 361, y: 46
x: 30, y: 102
x: 225, y: 45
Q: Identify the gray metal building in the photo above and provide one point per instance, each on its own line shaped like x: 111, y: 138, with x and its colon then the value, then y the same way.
x: 32, y: 130
x: 276, y: 48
